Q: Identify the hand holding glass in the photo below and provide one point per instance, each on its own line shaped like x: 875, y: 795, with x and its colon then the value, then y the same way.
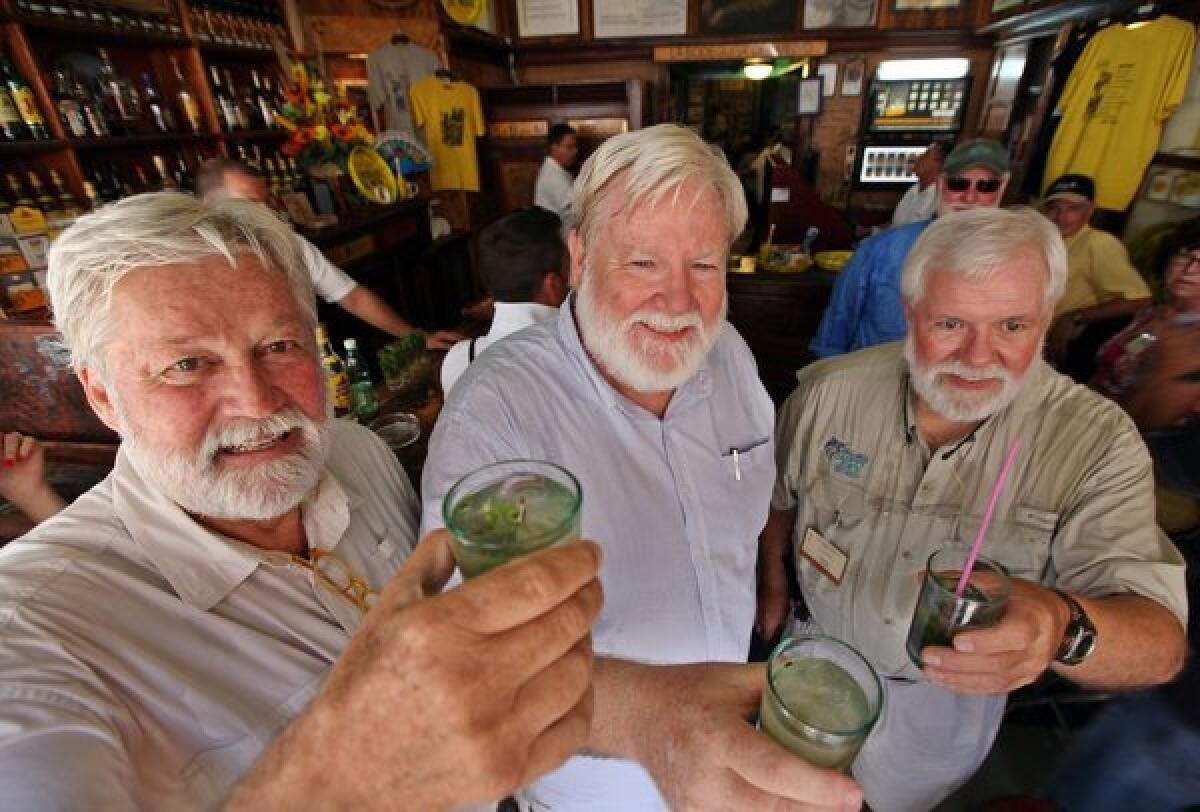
x: 940, y: 614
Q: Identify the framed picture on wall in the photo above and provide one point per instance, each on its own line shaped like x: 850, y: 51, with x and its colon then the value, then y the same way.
x: 808, y: 96
x: 747, y: 16
x: 1005, y: 5
x: 839, y: 13
x: 852, y: 78
x: 924, y: 5
x: 828, y: 72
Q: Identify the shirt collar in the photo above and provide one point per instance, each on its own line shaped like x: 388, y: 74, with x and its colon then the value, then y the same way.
x: 201, y: 565
x: 696, y: 389
x: 512, y: 316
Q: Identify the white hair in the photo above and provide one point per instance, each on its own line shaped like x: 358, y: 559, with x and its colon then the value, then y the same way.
x: 653, y: 162
x: 158, y: 230
x: 979, y: 243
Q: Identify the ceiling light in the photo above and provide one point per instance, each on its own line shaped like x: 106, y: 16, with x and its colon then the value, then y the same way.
x: 757, y: 69
x: 892, y: 69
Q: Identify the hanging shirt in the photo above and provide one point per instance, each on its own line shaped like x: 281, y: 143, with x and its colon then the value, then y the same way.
x: 917, y: 204
x: 1123, y: 89
x: 391, y: 70
x: 453, y: 118
x: 148, y: 661
x: 1098, y: 270
x: 554, y: 191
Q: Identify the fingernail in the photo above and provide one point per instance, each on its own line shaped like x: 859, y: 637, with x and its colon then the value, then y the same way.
x: 931, y: 659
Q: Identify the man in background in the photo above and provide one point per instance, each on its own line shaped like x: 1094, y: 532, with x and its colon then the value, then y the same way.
x: 225, y: 178
x: 865, y: 307
x: 920, y: 200
x: 523, y: 265
x: 1102, y: 284
x: 554, y: 181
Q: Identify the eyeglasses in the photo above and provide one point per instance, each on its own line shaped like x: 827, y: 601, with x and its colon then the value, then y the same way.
x: 986, y: 186
x: 1186, y: 259
x: 334, y: 574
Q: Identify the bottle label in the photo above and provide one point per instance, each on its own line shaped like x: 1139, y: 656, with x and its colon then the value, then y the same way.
x: 26, y: 220
x: 23, y: 98
x: 8, y: 111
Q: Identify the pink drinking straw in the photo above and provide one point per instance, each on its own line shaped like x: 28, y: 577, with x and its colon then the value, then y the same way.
x: 987, y: 518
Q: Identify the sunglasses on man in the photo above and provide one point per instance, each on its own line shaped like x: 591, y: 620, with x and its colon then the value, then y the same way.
x: 986, y: 186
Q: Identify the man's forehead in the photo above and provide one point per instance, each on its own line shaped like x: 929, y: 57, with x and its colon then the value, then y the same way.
x: 978, y: 171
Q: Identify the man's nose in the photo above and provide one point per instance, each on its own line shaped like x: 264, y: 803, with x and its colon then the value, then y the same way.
x: 250, y: 391
x: 978, y: 350
x: 676, y: 291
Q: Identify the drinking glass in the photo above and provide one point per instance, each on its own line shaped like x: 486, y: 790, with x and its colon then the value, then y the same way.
x: 940, y: 614
x: 821, y: 700
x: 508, y: 509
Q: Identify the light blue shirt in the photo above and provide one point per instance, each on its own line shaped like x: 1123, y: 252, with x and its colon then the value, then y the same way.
x: 866, y: 307
x: 661, y: 496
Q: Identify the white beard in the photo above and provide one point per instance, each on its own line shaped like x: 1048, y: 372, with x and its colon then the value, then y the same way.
x: 261, y: 493
x: 952, y: 404
x: 639, y: 361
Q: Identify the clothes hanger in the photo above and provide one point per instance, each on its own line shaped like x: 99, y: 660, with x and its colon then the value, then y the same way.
x: 1144, y: 13
x: 444, y: 73
x: 400, y: 38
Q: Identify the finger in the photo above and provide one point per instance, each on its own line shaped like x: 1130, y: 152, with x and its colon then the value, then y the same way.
x: 526, y: 588
x: 552, y: 693
x: 772, y: 770
x: 535, y: 645
x: 431, y: 562
x: 980, y: 684
x: 949, y: 661
x: 11, y: 439
x: 561, y: 740
x: 25, y: 448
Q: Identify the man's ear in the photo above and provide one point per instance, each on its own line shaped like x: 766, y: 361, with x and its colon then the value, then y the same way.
x: 575, y: 248
x: 99, y: 397
x: 553, y: 289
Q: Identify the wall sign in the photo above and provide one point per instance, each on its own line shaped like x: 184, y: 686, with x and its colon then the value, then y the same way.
x: 547, y: 18
x: 639, y: 18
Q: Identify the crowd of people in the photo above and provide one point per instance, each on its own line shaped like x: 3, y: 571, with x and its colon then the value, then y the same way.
x: 256, y: 607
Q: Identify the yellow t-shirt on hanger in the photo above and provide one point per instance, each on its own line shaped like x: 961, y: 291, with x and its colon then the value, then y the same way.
x: 452, y: 117
x: 1124, y: 87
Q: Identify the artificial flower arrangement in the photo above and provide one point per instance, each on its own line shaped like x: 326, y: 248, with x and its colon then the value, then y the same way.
x: 322, y: 129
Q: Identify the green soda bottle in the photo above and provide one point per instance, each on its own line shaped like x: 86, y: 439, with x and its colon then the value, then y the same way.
x: 362, y: 388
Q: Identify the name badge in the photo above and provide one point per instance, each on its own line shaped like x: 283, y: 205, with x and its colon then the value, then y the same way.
x: 821, y: 553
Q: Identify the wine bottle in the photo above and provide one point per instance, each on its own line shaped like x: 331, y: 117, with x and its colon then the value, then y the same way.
x: 22, y: 97
x: 187, y: 102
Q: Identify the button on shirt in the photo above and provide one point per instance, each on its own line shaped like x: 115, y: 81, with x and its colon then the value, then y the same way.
x: 508, y: 318
x: 148, y: 662
x: 554, y: 191
x: 1077, y: 513
x: 662, y: 496
x: 865, y: 307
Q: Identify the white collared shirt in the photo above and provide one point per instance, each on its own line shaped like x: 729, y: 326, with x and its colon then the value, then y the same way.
x: 509, y: 317
x: 677, y: 515
x: 554, y: 190
x: 147, y: 661
x: 917, y: 204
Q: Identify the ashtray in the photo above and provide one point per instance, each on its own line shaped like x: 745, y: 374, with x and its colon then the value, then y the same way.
x: 399, y: 430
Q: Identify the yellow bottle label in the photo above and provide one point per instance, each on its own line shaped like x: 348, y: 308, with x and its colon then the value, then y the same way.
x: 8, y: 112
x: 23, y: 98
x: 26, y: 220
x: 337, y: 387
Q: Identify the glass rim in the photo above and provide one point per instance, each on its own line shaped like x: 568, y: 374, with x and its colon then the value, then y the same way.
x: 979, y: 561
x: 532, y: 542
x: 808, y: 728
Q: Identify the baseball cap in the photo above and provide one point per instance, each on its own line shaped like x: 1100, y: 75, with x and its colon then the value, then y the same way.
x: 1071, y: 187
x: 980, y: 152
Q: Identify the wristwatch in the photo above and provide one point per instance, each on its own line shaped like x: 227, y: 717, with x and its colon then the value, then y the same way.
x: 1079, y: 638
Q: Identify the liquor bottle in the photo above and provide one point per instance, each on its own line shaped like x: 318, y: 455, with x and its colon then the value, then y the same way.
x: 45, y: 201
x: 66, y: 201
x: 240, y: 108
x: 91, y: 108
x: 165, y: 182
x: 362, y: 389
x: 22, y: 96
x: 143, y: 180
x: 183, y: 175
x: 337, y: 383
x: 226, y: 109
x: 69, y: 111
x: 120, y: 186
x: 12, y: 128
x: 121, y: 102
x: 25, y: 216
x: 160, y: 115
x: 265, y: 110
x: 93, y: 197
x: 187, y: 102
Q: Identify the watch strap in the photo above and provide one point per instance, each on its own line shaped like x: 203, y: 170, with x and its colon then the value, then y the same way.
x: 1079, y: 634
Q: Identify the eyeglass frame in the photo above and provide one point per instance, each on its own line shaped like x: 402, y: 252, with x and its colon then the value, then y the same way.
x: 357, y: 591
x: 1186, y: 257
x: 986, y: 186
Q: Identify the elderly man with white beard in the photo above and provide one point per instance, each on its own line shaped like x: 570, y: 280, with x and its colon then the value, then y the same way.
x: 194, y: 631
x: 652, y: 401
x: 888, y: 454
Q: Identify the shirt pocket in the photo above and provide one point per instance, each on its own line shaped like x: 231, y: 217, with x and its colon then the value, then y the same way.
x: 1019, y: 542
x: 740, y: 460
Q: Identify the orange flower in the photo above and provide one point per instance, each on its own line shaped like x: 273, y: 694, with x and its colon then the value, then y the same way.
x: 341, y: 132
x: 293, y: 94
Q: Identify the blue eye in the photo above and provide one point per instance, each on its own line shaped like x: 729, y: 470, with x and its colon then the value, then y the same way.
x: 187, y: 364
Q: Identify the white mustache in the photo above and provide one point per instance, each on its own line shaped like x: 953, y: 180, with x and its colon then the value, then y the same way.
x: 970, y: 373
x: 665, y: 322
x: 252, y: 432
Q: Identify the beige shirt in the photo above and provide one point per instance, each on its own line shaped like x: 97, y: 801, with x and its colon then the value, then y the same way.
x: 147, y: 661
x: 1098, y: 271
x: 1078, y: 512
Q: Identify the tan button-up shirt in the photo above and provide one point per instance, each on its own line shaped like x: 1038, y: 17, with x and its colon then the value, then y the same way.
x: 1077, y: 513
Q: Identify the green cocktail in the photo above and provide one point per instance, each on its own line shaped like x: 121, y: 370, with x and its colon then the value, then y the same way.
x: 940, y: 614
x: 509, y: 509
x: 821, y: 700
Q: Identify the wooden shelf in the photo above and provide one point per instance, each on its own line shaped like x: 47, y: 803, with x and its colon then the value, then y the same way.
x: 236, y: 51
x: 1177, y: 160
x: 255, y: 135
x: 10, y: 148
x: 103, y: 34
x: 153, y: 140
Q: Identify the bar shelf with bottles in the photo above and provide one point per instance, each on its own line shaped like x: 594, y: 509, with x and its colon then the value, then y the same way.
x: 98, y: 21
